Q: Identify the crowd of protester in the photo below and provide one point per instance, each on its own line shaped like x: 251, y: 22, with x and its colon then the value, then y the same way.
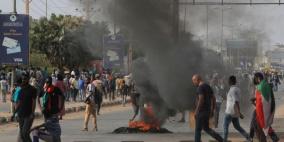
x: 50, y: 91
x: 33, y: 88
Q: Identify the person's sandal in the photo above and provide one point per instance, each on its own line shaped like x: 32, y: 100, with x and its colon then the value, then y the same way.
x: 85, y: 129
x: 95, y: 129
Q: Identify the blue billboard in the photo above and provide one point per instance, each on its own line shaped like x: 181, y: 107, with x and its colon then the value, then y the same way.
x: 113, y: 52
x: 14, y: 39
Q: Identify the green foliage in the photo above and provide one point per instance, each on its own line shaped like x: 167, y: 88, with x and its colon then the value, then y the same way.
x: 67, y: 41
x: 39, y: 60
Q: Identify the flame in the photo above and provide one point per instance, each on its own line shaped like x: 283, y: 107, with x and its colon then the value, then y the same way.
x: 144, y: 126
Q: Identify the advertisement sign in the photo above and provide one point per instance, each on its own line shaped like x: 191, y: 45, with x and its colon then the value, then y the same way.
x: 14, y: 39
x: 113, y: 53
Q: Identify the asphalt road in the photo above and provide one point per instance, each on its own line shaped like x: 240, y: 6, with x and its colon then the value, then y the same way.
x: 118, y: 116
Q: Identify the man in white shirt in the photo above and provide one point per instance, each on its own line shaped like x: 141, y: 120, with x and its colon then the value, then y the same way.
x: 232, y: 112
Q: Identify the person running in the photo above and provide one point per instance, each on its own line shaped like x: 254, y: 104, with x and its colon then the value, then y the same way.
x: 25, y: 108
x: 204, y: 109
x: 90, y: 106
x: 264, y: 110
x: 232, y: 111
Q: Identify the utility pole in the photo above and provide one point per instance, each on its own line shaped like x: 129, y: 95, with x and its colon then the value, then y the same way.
x: 207, y: 20
x: 184, y: 24
x: 46, y: 8
x: 27, y: 6
x: 176, y: 20
x: 88, y: 9
x: 14, y: 7
x: 114, y: 20
x: 222, y: 28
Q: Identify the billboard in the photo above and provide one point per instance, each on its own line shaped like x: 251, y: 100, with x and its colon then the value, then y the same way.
x: 242, y: 53
x: 14, y: 39
x: 113, y: 52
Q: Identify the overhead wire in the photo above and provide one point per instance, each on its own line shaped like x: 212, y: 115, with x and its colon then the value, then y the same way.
x: 49, y: 8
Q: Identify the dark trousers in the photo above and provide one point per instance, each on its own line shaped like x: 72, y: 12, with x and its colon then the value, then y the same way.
x: 255, y: 129
x: 98, y: 101
x: 74, y: 94
x: 111, y: 94
x: 202, y: 122
x: 216, y: 113
x: 25, y: 124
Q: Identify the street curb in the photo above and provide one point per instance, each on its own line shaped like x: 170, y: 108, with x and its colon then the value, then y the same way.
x: 6, y: 120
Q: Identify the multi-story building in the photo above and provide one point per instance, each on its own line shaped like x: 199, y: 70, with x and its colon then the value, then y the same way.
x: 276, y: 58
x: 242, y: 53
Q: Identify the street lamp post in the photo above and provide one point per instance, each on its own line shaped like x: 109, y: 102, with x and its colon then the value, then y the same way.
x: 207, y: 20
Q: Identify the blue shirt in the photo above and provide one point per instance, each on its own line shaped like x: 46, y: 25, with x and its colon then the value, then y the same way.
x: 16, y: 94
x: 81, y: 84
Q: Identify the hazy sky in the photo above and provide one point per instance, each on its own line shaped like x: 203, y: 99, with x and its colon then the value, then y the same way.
x: 268, y: 19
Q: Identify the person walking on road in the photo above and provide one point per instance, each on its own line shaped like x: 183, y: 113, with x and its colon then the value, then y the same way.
x: 51, y: 100
x: 135, y: 100
x: 90, y: 106
x: 219, y: 98
x: 15, y: 98
x: 74, y: 85
x: 124, y: 92
x: 81, y: 84
x: 4, y: 88
x: 26, y: 108
x: 204, y: 109
x: 98, y: 93
x: 51, y: 106
x: 60, y: 84
x: 232, y: 111
x: 67, y: 85
x: 263, y: 115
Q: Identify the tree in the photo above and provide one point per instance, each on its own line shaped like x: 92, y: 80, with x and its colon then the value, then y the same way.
x: 67, y: 41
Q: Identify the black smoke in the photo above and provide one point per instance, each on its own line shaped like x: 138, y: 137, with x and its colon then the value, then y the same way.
x: 163, y: 76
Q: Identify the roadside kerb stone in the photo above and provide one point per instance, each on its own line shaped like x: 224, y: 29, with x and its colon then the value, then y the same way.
x: 5, y: 120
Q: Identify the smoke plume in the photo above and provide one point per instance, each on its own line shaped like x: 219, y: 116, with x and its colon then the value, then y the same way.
x: 163, y: 76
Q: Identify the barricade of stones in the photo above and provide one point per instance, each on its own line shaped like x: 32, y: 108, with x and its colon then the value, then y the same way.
x: 5, y: 120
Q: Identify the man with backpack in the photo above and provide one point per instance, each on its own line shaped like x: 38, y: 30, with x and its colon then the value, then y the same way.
x: 51, y: 99
x: 51, y: 103
x: 90, y: 106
